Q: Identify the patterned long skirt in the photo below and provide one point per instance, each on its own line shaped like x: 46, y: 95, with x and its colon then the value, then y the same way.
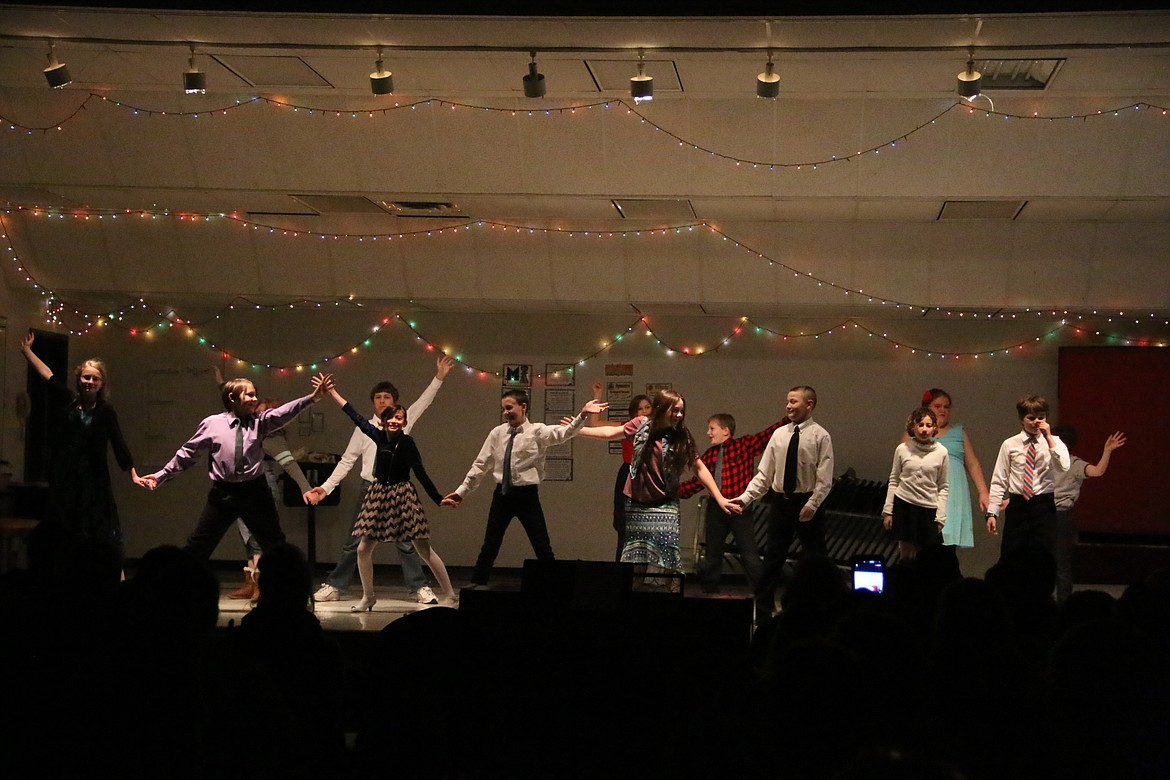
x: 392, y: 513
x: 652, y: 535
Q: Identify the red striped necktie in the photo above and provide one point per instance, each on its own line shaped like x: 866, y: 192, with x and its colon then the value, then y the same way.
x: 1029, y: 470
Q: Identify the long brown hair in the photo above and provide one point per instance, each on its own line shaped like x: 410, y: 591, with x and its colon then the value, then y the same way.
x: 682, y: 452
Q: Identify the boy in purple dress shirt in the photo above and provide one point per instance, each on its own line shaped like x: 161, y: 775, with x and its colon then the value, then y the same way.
x: 233, y: 441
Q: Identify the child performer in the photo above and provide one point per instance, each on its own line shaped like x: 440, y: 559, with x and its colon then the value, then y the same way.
x: 514, y: 454
x: 383, y: 394
x: 391, y: 510
x: 732, y: 463
x: 663, y: 449
x: 796, y: 472
x: 276, y: 453
x: 235, y: 460
x: 916, y: 500
x: 81, y: 498
x: 1068, y: 490
x: 639, y: 407
x: 1024, y: 472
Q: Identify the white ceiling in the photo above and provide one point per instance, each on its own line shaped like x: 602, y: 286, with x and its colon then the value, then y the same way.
x: 1060, y: 212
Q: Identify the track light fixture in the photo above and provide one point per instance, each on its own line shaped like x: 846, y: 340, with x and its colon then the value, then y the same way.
x: 970, y: 80
x: 533, y: 81
x: 57, y: 74
x: 768, y: 82
x: 642, y: 86
x: 381, y: 80
x: 194, y: 80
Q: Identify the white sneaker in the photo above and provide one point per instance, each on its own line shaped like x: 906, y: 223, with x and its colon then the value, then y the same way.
x: 327, y: 593
x: 425, y: 596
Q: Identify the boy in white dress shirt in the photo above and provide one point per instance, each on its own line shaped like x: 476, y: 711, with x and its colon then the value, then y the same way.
x: 514, y: 454
x: 1023, y: 473
x: 796, y: 473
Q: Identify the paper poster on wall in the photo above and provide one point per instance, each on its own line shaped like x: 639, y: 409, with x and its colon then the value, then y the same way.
x: 558, y: 470
x: 654, y: 387
x: 615, y: 447
x: 619, y: 369
x: 565, y: 448
x: 619, y: 392
x: 517, y: 375
x: 560, y: 401
x: 559, y: 375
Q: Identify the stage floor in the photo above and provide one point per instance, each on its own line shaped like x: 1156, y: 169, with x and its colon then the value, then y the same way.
x: 395, y: 601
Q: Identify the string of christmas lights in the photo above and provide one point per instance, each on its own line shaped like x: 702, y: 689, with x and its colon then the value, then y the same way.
x: 630, y: 110
x: 999, y: 312
x: 607, y: 344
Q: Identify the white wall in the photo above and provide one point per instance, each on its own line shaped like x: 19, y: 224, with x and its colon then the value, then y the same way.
x: 162, y: 386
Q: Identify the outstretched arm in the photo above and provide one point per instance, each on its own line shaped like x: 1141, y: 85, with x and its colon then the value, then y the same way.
x: 603, y: 432
x: 38, y: 365
x: 322, y: 384
x: 1112, y: 443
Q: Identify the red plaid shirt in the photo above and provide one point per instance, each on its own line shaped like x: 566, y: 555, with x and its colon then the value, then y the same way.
x: 739, y: 463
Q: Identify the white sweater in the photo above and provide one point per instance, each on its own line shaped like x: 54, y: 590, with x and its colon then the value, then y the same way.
x: 919, y: 477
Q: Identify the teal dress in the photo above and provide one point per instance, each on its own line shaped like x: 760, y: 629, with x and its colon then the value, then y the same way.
x: 959, y: 528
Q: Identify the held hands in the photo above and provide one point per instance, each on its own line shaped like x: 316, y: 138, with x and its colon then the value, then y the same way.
x: 730, y: 507
x: 1114, y: 441
x: 452, y: 500
x: 314, y: 496
x: 150, y: 483
x: 322, y: 384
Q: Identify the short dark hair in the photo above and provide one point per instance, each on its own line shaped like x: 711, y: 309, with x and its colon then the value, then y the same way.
x: 521, y: 396
x: 1031, y: 404
x: 917, y: 415
x: 384, y: 387
x: 809, y: 393
x: 392, y: 410
x: 724, y: 420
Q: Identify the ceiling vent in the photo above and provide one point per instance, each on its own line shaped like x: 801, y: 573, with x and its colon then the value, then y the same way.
x: 655, y: 208
x: 1017, y: 74
x: 981, y: 209
x: 339, y: 204
x: 274, y: 71
x: 433, y: 209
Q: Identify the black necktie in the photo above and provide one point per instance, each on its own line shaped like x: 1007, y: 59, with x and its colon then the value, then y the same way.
x: 239, y: 424
x: 790, y: 461
x: 507, y: 485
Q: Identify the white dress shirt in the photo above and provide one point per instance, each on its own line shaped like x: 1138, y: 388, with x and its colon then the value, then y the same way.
x: 364, y: 447
x: 532, y: 443
x: 1008, y: 475
x: 814, y: 464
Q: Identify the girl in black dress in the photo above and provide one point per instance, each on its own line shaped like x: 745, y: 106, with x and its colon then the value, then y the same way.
x: 81, y: 497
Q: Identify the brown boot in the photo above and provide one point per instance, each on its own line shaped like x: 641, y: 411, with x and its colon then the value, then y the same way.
x: 249, y: 590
